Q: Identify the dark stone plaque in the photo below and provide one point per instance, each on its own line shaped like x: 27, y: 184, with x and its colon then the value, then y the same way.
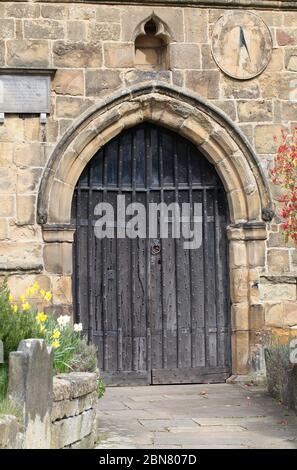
x: 24, y: 94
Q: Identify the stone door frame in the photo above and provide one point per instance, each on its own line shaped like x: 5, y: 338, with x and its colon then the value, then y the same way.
x: 223, y: 144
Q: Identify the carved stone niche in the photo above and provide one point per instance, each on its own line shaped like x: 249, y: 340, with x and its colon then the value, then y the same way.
x: 151, y: 45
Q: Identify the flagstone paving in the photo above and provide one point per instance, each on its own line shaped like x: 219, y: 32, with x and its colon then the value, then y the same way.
x: 194, y: 417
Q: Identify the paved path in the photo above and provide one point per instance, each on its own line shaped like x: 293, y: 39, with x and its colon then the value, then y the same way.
x: 194, y: 416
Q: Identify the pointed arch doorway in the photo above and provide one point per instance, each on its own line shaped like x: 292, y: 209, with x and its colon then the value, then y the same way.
x: 157, y: 311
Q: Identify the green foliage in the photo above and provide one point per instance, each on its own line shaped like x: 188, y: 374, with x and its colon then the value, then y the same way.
x: 85, y: 357
x: 14, y: 327
x: 101, y: 387
x: 67, y: 344
x: 9, y: 408
x: 3, y: 381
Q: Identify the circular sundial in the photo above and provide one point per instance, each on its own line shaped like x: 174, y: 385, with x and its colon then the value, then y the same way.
x: 241, y: 44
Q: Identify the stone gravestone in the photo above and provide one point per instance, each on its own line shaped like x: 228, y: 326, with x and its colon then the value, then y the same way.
x: 30, y: 386
x: 1, y: 352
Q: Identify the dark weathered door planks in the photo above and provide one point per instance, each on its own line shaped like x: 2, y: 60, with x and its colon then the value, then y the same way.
x: 155, y: 316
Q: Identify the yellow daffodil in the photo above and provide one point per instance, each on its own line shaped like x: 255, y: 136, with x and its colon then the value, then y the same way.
x: 42, y: 329
x: 22, y: 299
x: 10, y: 298
x: 35, y: 286
x: 48, y: 296
x: 42, y: 292
x: 56, y: 334
x: 26, y: 306
x: 55, y: 344
x: 14, y: 308
x: 30, y: 291
x: 41, y: 317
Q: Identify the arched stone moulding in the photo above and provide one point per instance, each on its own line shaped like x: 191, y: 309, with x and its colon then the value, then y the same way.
x: 217, y: 138
x: 207, y: 127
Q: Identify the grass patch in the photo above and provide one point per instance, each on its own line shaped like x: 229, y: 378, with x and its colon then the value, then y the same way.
x: 9, y: 408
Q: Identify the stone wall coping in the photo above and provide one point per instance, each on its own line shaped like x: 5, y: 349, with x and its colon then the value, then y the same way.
x: 251, y: 4
x: 73, y: 385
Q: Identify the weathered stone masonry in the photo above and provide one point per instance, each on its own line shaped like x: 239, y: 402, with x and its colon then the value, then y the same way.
x: 97, y: 92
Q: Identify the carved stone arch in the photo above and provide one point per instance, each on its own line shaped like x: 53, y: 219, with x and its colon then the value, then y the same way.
x: 224, y: 146
x: 210, y: 129
x: 163, y: 30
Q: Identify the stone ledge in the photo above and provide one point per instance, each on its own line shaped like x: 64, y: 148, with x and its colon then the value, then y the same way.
x: 73, y: 385
x: 67, y: 408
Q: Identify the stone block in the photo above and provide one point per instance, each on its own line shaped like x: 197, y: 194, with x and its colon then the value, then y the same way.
x: 240, y: 352
x: 27, y: 53
x: 257, y: 317
x: 240, y: 317
x: 291, y: 59
x: 73, y: 429
x: 239, y: 285
x: 256, y: 253
x: 7, y: 180
x: 274, y: 315
x: 12, y: 130
x: 76, y: 31
x: 68, y: 82
x: 82, y: 383
x: 25, y: 210
x: 28, y: 179
x: 22, y: 10
x: 55, y: 12
x: 43, y: 29
x: 208, y: 62
x: 66, y: 408
x: 6, y: 154
x: 20, y: 256
x: 228, y: 107
x: 62, y: 289
x: 119, y: 55
x: 108, y: 13
x: 275, y: 292
x: 82, y: 12
x: 68, y: 107
x: 61, y: 390
x: 104, y: 31
x: 58, y: 258
x: 290, y: 313
x: 7, y: 206
x: 29, y: 155
x: 196, y: 25
x: 236, y: 89
x: 205, y: 84
x: 77, y: 54
x: 254, y: 111
x: 278, y: 261
x: 3, y: 229
x: 99, y: 82
x: 264, y: 137
x: 185, y: 56
x: 135, y: 76
x: 6, y: 29
x: 285, y: 37
x: 238, y: 254
x: 288, y: 112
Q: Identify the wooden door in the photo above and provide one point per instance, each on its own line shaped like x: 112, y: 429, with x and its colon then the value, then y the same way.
x: 158, y: 312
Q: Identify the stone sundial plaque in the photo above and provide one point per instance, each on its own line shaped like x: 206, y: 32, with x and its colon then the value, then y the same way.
x: 24, y: 94
x: 241, y: 44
